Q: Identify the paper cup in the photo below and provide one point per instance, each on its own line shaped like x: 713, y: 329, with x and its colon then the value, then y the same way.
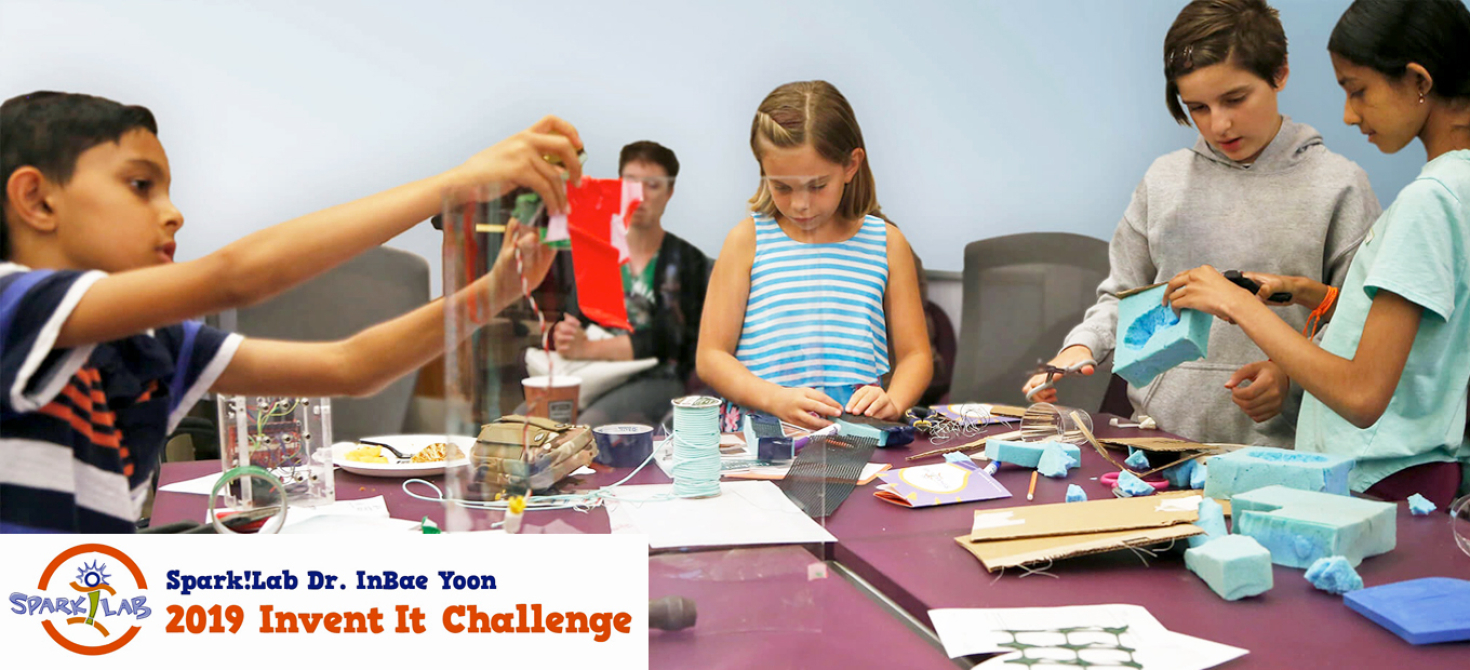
x: 555, y: 400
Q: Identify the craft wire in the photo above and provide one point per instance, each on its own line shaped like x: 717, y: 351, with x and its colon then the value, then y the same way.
x: 578, y: 501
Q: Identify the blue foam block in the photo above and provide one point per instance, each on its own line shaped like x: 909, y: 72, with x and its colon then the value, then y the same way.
x: 1137, y: 460
x: 1256, y: 467
x: 1152, y: 338
x: 1025, y: 454
x: 1211, y: 520
x: 1133, y: 487
x: 1233, y: 566
x: 1180, y: 475
x: 1422, y: 611
x: 1334, y: 575
x: 1055, y: 461
x: 1299, y: 527
x: 1419, y: 505
x: 1076, y: 494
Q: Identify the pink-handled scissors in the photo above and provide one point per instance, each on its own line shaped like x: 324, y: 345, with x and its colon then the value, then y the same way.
x: 1110, y: 480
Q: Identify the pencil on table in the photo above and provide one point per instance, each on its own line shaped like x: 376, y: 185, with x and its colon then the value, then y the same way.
x: 1031, y: 493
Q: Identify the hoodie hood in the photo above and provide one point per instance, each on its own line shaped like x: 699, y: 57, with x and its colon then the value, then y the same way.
x: 1291, y: 146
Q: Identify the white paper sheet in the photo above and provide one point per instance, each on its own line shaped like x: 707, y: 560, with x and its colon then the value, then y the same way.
x: 978, y: 631
x: 201, y: 485
x: 749, y: 512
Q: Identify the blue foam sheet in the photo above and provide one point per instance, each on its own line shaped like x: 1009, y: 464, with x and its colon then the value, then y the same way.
x: 1421, y: 611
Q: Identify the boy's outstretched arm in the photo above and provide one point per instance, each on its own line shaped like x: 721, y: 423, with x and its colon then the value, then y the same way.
x: 370, y: 360
x: 270, y: 261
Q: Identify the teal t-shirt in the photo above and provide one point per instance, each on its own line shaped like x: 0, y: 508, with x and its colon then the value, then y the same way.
x: 1419, y: 249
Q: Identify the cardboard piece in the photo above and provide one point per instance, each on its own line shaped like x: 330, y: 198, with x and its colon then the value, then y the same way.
x: 1164, y: 444
x: 1133, y: 442
x: 1090, y: 517
x: 1026, y: 551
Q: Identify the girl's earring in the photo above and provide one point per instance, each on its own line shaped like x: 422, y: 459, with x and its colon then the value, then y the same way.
x: 1421, y: 98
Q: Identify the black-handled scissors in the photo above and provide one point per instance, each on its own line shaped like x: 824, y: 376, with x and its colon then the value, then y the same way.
x: 1250, y: 285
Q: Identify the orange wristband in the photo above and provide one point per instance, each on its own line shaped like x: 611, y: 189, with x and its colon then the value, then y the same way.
x: 1314, y: 320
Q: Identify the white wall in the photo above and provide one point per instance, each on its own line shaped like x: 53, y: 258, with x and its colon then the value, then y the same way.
x: 982, y: 118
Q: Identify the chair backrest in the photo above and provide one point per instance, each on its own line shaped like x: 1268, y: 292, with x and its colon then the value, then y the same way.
x: 369, y: 289
x: 1022, y: 294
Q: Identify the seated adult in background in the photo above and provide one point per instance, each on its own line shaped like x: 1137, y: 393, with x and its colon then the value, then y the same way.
x: 663, y: 284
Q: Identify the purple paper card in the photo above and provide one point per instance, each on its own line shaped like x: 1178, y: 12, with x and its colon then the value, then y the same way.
x: 947, y: 483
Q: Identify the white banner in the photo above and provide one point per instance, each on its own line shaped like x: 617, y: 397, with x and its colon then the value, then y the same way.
x: 193, y: 601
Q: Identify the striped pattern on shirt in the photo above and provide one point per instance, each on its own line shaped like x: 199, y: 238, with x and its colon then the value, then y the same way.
x: 814, y: 317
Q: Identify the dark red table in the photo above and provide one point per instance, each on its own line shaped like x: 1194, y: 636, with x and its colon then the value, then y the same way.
x: 911, y: 556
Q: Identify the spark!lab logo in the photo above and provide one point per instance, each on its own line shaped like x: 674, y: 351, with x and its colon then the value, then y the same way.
x: 91, y: 609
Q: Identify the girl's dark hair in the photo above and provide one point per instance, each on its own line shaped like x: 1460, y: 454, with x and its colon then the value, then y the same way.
x: 1247, y: 33
x: 1387, y: 35
x: 49, y: 131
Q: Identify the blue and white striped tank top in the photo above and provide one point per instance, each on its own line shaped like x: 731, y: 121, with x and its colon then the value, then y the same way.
x: 815, y: 313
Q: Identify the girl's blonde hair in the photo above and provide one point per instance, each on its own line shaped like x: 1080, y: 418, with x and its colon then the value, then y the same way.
x: 814, y: 112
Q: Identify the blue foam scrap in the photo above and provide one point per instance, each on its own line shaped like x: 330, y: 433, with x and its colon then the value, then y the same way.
x: 1133, y: 487
x: 1055, y: 461
x: 1211, y: 520
x: 1076, y: 494
x: 1333, y: 574
x: 1137, y: 460
x: 1419, y: 505
x: 1179, y: 476
x: 1199, y: 475
x: 1025, y: 454
x: 1152, y: 338
x: 1299, y: 527
x: 1233, y: 566
x: 1252, y: 468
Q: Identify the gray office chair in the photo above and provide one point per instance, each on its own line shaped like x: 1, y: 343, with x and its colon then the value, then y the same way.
x: 369, y: 289
x: 1022, y: 294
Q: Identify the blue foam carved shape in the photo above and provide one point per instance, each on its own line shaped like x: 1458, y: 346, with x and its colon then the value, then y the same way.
x: 1419, y: 505
x: 1076, y: 494
x: 1026, y: 454
x: 1299, y: 527
x: 1334, y: 574
x: 1152, y: 338
x: 1256, y: 467
x: 1133, y: 487
x: 1137, y: 460
x: 1055, y: 461
x: 1211, y: 520
x: 1233, y: 566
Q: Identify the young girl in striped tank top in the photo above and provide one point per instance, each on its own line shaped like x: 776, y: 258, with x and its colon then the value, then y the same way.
x: 809, y: 290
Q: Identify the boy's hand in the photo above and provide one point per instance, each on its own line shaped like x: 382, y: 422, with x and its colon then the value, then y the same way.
x: 873, y: 401
x: 570, y: 338
x: 797, y: 405
x: 536, y: 261
x: 1262, y: 398
x: 1070, y: 356
x: 1206, y: 290
x: 520, y: 160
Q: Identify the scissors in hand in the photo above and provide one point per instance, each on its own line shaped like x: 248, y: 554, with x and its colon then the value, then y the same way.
x: 1053, y: 373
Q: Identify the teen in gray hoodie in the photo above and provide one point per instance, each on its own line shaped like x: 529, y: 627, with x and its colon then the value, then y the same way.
x: 1257, y: 192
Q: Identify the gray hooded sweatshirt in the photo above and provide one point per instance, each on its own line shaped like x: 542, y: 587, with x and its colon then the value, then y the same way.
x: 1299, y: 210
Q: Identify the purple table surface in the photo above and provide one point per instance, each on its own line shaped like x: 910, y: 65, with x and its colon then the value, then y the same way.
x: 757, y: 608
x: 910, y: 555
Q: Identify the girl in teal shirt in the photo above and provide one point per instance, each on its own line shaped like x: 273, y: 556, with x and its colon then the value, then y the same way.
x: 1388, y: 385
